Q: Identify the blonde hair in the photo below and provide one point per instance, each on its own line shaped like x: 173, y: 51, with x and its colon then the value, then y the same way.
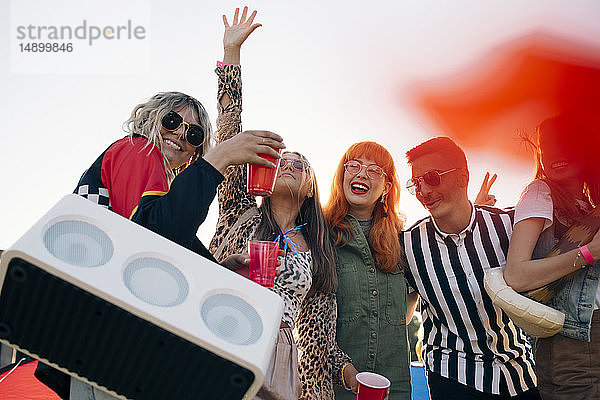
x: 145, y: 120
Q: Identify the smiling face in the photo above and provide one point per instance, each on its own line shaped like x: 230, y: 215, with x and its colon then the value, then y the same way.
x: 441, y: 200
x: 558, y: 156
x: 361, y: 191
x: 174, y: 145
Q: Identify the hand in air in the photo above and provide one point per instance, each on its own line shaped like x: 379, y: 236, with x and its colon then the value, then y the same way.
x: 239, y: 30
x: 484, y: 198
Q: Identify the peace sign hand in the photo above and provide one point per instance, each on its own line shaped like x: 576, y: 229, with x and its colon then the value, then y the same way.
x: 484, y: 198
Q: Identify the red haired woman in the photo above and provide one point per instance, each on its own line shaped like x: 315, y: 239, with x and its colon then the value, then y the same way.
x: 363, y: 215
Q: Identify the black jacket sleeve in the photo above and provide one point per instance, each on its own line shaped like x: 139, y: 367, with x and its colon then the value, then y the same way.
x: 178, y: 214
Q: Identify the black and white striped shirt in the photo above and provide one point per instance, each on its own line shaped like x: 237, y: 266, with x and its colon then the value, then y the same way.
x: 467, y: 338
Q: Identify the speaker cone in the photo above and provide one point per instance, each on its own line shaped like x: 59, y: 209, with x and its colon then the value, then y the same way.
x: 78, y: 243
x: 232, y: 319
x: 156, y: 282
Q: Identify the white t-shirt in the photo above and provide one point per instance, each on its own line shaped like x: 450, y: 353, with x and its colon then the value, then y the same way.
x: 536, y: 201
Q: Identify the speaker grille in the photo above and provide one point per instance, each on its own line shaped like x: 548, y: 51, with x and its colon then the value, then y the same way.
x: 232, y: 319
x: 78, y: 243
x: 156, y: 282
x: 108, y: 345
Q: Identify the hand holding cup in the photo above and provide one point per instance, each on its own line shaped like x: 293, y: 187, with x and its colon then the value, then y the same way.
x: 372, y: 386
x: 246, y: 147
x: 263, y: 261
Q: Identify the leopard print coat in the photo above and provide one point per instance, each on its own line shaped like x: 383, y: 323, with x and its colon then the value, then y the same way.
x: 320, y: 359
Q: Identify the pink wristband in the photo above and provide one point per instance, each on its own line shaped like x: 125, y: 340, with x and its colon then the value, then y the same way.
x: 585, y: 252
x: 221, y: 64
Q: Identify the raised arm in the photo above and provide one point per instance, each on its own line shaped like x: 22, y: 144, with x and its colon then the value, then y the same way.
x: 244, y: 146
x: 235, y: 35
x: 234, y: 200
x: 233, y: 197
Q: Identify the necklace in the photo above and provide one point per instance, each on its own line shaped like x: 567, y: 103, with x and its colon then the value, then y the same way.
x: 287, y: 242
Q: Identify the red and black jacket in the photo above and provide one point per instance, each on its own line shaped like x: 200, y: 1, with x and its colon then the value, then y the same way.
x: 129, y: 178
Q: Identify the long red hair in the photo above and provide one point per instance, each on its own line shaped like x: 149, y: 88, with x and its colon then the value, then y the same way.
x: 387, y: 220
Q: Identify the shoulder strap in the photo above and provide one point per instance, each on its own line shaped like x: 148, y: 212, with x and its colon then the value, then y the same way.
x: 251, y: 212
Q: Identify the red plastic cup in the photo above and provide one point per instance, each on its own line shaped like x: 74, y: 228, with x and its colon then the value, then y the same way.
x: 371, y: 386
x: 261, y: 180
x: 263, y: 261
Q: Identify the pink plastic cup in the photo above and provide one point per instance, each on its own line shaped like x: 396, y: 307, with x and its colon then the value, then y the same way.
x: 261, y: 180
x: 263, y: 261
x: 371, y: 386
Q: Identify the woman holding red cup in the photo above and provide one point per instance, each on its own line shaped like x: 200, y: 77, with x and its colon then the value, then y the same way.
x: 292, y: 216
x: 163, y: 176
x: 372, y: 297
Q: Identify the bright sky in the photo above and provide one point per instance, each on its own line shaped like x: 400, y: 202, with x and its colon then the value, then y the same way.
x: 323, y: 74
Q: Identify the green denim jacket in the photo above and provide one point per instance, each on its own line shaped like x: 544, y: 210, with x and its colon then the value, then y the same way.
x: 371, y: 323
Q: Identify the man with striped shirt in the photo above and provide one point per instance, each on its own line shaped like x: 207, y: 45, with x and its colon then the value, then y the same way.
x: 472, y: 349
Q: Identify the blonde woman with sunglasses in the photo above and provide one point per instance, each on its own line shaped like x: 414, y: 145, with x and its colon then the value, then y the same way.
x: 163, y: 175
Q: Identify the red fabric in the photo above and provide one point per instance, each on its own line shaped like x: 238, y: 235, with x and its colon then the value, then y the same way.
x: 129, y: 170
x: 511, y: 90
x: 21, y: 384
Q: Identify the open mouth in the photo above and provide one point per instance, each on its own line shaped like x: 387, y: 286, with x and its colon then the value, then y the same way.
x: 172, y: 144
x: 358, y: 188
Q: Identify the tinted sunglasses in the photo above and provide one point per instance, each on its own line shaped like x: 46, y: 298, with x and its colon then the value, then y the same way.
x: 374, y: 171
x: 298, y: 165
x: 432, y: 178
x: 194, y: 134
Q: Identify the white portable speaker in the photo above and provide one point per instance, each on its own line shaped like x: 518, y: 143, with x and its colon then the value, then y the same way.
x: 119, y: 306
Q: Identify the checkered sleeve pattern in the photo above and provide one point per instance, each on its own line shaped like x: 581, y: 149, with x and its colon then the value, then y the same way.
x: 96, y: 195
